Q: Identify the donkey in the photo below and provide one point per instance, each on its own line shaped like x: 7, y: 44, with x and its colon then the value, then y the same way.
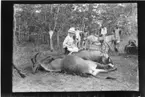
x: 113, y: 39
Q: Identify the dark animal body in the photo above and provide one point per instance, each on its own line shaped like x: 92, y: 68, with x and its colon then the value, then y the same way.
x: 72, y: 64
x: 77, y: 65
x: 95, y: 56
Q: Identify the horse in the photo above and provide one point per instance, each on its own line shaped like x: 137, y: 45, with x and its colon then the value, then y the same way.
x: 114, y: 39
x: 108, y: 40
x: 94, y: 40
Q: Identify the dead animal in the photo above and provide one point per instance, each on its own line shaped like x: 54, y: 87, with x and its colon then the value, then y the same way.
x: 71, y: 64
x: 78, y: 65
x: 96, y: 56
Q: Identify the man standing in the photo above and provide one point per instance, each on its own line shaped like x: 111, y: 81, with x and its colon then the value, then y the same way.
x: 117, y: 34
x: 103, y: 32
x: 78, y: 37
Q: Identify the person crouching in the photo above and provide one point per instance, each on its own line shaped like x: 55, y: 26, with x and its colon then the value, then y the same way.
x: 69, y: 44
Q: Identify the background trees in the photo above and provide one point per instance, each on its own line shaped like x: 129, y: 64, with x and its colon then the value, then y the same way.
x: 32, y: 23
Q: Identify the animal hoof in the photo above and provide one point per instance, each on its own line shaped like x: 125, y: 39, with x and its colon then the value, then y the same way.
x: 112, y: 69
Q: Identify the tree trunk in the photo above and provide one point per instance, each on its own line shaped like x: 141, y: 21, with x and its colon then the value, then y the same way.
x: 51, y: 45
x: 58, y: 39
x: 51, y: 42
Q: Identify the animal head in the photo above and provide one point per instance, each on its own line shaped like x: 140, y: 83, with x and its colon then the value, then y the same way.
x: 107, y: 60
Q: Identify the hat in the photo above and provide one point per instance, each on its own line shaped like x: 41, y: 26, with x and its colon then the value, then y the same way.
x: 71, y: 30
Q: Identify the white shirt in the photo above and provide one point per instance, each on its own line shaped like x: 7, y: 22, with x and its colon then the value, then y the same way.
x: 104, y: 31
x: 68, y: 42
x: 117, y: 36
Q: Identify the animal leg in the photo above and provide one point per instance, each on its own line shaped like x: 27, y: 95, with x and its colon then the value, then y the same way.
x: 111, y: 65
x: 95, y: 72
x: 52, y: 70
x: 101, y: 66
x: 113, y: 69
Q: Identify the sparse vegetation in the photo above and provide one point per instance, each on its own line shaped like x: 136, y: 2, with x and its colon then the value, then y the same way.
x: 32, y: 23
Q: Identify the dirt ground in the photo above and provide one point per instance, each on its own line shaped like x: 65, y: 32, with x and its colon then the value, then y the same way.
x: 126, y: 77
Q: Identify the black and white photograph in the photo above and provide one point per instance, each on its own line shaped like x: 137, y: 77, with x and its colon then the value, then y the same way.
x: 75, y: 47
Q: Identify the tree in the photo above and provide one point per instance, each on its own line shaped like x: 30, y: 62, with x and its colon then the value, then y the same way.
x: 38, y: 19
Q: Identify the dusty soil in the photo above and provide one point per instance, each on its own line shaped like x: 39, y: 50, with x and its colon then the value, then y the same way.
x: 126, y: 77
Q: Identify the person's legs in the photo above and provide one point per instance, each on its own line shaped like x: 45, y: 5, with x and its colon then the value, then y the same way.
x: 73, y: 49
x: 66, y: 51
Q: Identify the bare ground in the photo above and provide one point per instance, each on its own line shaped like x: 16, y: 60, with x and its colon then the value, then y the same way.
x: 126, y: 77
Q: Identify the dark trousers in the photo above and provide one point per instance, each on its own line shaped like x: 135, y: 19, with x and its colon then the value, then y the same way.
x: 66, y: 51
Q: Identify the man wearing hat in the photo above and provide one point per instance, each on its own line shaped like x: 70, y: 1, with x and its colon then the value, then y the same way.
x: 69, y: 42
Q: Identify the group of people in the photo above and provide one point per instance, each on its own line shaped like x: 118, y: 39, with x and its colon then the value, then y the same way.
x: 70, y: 42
